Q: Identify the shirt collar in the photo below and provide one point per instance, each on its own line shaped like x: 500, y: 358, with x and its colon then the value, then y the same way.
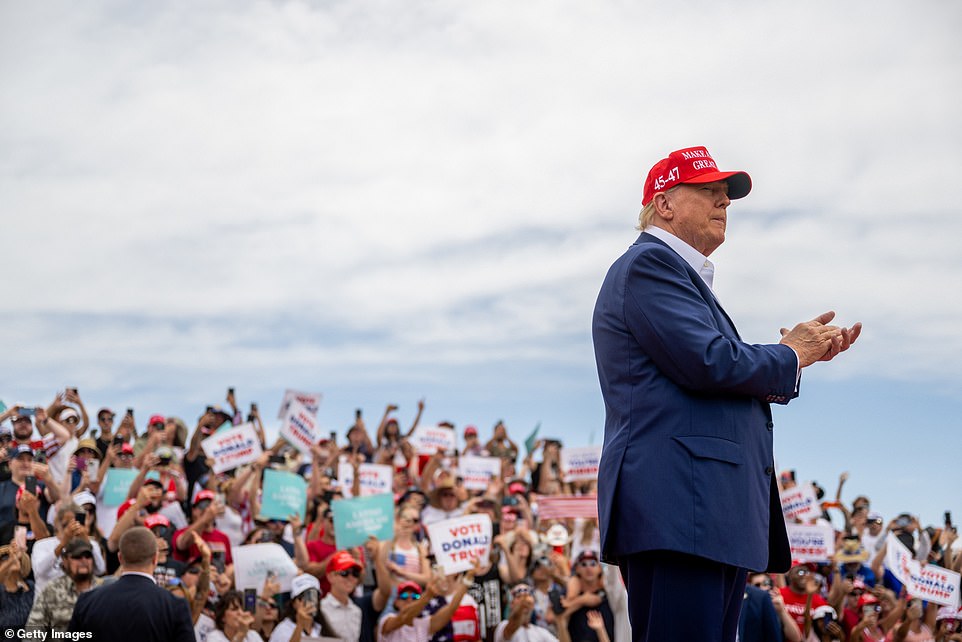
x: 147, y: 575
x: 698, y: 261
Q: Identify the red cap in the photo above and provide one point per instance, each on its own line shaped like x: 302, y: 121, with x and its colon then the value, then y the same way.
x: 692, y: 165
x: 127, y: 449
x: 123, y: 507
x: 865, y: 599
x: 156, y: 520
x: 515, y: 488
x: 408, y: 586
x: 341, y: 561
x: 204, y: 494
x: 470, y: 430
x: 157, y: 419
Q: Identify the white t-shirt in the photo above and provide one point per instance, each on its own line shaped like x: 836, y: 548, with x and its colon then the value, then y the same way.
x: 527, y: 633
x: 417, y: 631
x: 283, y: 631
x: 46, y: 566
x: 218, y: 636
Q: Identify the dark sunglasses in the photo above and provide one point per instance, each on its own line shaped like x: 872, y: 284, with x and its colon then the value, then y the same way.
x: 193, y: 570
x: 265, y: 604
x: 588, y: 563
x: 351, y: 572
x: 82, y: 556
x: 767, y: 584
x: 408, y: 595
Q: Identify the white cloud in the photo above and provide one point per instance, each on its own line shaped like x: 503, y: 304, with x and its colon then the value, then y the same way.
x: 455, y: 178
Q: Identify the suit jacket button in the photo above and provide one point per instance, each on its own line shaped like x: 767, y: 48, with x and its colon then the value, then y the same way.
x: 769, y: 470
x: 770, y: 425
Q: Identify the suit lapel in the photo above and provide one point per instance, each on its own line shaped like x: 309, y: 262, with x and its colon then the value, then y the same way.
x: 721, y: 317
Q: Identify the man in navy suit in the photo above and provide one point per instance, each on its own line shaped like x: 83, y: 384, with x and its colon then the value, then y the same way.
x: 687, y: 500
x: 134, y: 607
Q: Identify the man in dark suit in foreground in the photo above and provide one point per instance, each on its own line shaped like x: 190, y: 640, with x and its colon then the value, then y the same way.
x: 687, y: 500
x: 134, y: 607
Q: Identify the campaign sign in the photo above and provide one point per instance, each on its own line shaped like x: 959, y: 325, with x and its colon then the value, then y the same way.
x: 117, y: 485
x: 310, y: 400
x: 427, y: 440
x: 581, y: 463
x: 478, y: 472
x: 252, y: 563
x: 284, y: 494
x: 931, y: 583
x: 800, y: 503
x: 375, y: 479
x: 232, y: 448
x: 358, y: 518
x: 811, y: 543
x: 457, y: 542
x: 300, y: 427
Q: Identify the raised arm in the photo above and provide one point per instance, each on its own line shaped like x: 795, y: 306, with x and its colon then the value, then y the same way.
x: 417, y: 418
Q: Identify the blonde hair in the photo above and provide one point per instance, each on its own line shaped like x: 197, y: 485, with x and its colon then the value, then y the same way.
x: 647, y: 214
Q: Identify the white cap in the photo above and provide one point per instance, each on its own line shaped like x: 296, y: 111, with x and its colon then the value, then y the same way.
x: 66, y: 413
x: 304, y: 582
x: 947, y: 613
x: 84, y: 497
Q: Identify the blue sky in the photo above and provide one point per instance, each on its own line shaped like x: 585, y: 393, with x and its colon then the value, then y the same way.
x: 385, y: 201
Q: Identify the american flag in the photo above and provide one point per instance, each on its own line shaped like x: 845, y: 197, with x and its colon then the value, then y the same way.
x: 564, y: 506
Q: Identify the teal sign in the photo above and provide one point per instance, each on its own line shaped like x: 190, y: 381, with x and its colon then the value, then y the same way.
x: 117, y: 485
x: 285, y: 494
x: 358, y: 518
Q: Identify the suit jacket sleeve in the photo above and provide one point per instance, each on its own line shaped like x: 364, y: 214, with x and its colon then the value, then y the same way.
x: 668, y: 315
x: 183, y: 625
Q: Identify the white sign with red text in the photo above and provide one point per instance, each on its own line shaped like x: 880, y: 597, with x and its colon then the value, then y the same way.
x: 310, y: 400
x: 427, y: 440
x: 581, y: 463
x: 800, y: 503
x: 457, y: 542
x: 375, y: 479
x: 232, y: 448
x: 931, y: 583
x: 811, y: 543
x: 300, y: 427
x: 478, y: 472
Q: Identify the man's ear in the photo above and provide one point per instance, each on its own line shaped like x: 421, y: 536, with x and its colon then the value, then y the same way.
x: 663, y: 207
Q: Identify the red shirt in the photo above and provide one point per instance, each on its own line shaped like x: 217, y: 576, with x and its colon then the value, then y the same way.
x: 795, y: 604
x: 216, y: 540
x: 318, y: 551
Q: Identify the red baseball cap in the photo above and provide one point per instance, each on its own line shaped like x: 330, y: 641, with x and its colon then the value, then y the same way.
x: 692, y: 165
x: 157, y: 419
x: 202, y: 495
x: 341, y: 561
x: 408, y: 586
x: 156, y: 520
x: 470, y: 430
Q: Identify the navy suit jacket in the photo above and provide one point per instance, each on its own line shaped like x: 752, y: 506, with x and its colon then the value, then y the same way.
x: 758, y: 620
x: 687, y: 460
x: 133, y: 608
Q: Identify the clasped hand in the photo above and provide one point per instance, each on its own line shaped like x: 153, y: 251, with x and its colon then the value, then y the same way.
x: 815, y: 341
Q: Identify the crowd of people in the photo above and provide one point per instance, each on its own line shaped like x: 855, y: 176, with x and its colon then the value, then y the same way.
x: 69, y: 562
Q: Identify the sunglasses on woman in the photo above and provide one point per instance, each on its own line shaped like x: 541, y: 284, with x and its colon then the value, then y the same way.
x: 351, y: 572
x: 266, y: 604
x: 408, y: 595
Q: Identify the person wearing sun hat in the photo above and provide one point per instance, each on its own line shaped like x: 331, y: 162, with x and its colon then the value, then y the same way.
x: 687, y: 499
x: 443, y: 503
